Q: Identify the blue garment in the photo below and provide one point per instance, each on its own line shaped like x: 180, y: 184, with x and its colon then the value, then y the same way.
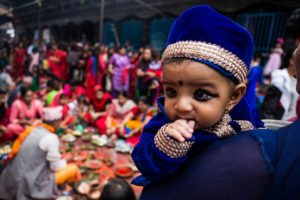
x: 254, y: 77
x: 154, y: 164
x: 94, y: 66
x: 233, y: 168
x: 258, y: 164
x: 286, y: 159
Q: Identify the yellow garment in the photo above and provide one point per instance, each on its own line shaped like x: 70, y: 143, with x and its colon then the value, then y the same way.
x: 134, y: 124
x: 19, y: 141
x: 69, y: 174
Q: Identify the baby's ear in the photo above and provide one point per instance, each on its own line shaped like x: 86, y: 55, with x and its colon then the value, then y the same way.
x: 237, y: 94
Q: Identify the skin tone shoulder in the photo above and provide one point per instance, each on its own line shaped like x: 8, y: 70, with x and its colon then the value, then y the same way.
x: 196, y: 96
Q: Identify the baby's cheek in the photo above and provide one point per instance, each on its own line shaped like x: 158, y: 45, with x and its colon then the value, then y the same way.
x: 170, y: 111
x: 207, y: 119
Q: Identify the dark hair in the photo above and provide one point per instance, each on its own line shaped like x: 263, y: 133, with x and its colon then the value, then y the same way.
x: 293, y: 25
x: 117, y: 189
x: 82, y: 99
x: 286, y: 60
x: 24, y: 90
x: 108, y: 101
x: 3, y: 89
x: 52, y: 84
x: 256, y: 56
x: 123, y: 93
x: 62, y: 96
x: 144, y: 99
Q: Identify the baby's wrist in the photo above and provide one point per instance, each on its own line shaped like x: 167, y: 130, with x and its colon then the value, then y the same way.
x: 170, y: 146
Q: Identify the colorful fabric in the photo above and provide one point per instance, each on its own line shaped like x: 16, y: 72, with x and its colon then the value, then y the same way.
x: 99, y: 104
x: 20, y: 110
x: 69, y: 174
x: 58, y: 64
x: 51, y: 96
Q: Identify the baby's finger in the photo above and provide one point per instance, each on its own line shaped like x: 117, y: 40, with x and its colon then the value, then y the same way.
x: 191, y: 124
x: 184, y: 123
x: 176, y: 135
x: 183, y: 131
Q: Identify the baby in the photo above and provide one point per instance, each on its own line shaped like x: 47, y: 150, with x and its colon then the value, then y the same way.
x: 205, y: 63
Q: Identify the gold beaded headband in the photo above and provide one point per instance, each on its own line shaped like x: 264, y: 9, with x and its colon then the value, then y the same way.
x: 210, y: 52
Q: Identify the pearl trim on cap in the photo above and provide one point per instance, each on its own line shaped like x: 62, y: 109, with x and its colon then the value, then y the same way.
x: 210, y: 52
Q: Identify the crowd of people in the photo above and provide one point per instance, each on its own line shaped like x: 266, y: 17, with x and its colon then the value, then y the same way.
x: 113, y: 89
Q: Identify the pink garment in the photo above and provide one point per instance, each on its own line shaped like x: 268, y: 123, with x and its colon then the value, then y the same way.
x: 20, y: 110
x: 274, y: 61
x: 34, y: 61
x: 67, y: 90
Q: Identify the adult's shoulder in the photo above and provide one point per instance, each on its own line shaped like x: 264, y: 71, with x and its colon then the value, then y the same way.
x: 286, y: 180
x: 233, y: 168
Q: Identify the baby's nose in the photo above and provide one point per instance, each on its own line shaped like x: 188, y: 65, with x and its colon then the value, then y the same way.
x: 183, y: 105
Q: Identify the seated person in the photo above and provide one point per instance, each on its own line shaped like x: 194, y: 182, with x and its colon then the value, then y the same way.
x: 25, y: 111
x: 35, y: 167
x: 134, y: 122
x: 121, y: 106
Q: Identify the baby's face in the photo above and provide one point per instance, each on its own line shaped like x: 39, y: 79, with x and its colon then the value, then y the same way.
x: 194, y: 91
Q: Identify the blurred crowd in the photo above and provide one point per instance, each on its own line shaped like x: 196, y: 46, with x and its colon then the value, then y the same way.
x: 115, y: 89
x: 112, y: 89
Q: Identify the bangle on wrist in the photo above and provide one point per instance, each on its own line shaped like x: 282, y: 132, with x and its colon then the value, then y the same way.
x: 169, y: 146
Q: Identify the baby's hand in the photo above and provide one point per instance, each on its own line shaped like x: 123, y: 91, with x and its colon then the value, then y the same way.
x: 180, y: 129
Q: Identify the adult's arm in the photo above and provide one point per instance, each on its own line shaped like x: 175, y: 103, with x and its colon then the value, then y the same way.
x: 50, y: 144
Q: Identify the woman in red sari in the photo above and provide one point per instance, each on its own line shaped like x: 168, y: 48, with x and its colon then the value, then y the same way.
x: 19, y: 60
x: 97, y: 109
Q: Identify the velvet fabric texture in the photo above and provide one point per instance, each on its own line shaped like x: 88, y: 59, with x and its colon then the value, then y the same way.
x: 154, y: 164
x: 204, y: 24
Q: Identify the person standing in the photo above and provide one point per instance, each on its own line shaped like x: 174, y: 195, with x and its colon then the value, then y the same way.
x: 118, y: 65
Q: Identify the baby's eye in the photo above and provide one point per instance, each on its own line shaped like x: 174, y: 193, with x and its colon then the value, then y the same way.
x: 171, y: 93
x: 201, y: 95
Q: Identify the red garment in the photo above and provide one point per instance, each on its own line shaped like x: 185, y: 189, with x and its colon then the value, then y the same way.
x: 99, y: 105
x: 19, y: 61
x: 138, y: 115
x: 103, y: 61
x: 4, y: 122
x: 79, y: 90
x: 101, y: 124
x: 91, y: 80
x: 58, y: 64
x: 158, y: 73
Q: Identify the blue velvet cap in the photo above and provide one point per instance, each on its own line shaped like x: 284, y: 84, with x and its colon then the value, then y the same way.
x: 204, y: 24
